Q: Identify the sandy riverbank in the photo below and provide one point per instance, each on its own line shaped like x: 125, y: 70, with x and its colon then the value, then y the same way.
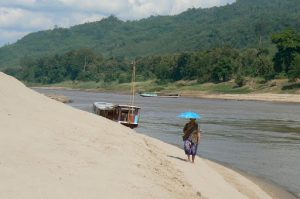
x: 50, y: 150
x: 269, y: 97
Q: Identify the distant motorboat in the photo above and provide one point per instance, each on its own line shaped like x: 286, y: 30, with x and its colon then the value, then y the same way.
x: 167, y: 95
x: 148, y: 94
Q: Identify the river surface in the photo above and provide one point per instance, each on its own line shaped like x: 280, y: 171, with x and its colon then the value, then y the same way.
x: 259, y: 138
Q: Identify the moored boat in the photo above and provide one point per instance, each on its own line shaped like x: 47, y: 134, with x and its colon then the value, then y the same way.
x: 124, y: 114
x: 148, y: 94
x: 168, y: 95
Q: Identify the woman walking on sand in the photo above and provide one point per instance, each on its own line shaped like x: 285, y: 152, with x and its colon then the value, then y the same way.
x: 191, y: 138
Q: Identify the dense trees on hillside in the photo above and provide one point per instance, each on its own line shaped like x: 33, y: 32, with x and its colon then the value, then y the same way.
x: 215, y: 65
x: 244, y: 24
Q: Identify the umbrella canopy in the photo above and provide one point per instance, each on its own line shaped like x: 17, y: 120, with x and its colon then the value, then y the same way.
x: 190, y: 115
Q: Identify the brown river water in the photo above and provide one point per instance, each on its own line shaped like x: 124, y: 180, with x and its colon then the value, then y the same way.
x: 259, y: 138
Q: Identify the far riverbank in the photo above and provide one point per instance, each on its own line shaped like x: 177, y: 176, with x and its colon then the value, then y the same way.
x: 269, y: 97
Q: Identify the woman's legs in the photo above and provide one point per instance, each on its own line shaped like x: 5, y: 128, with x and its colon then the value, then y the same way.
x: 187, y: 149
x: 194, y: 151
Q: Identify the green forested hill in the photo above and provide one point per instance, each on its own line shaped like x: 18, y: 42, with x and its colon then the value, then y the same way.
x: 239, y: 25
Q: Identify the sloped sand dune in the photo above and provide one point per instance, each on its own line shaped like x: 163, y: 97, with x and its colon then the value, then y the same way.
x: 50, y: 150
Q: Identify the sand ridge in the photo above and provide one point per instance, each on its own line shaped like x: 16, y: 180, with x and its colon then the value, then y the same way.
x: 50, y: 150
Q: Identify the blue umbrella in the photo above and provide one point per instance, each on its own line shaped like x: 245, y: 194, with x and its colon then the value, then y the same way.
x: 190, y: 115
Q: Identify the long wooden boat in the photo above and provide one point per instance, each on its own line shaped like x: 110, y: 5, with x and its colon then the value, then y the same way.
x: 124, y: 114
x: 169, y: 95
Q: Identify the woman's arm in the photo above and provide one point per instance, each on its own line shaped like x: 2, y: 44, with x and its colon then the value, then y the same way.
x: 198, y: 136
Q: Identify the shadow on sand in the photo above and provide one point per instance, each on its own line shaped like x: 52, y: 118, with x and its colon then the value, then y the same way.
x: 178, y: 158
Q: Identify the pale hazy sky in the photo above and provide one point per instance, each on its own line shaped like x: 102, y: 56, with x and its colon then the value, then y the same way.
x: 20, y: 17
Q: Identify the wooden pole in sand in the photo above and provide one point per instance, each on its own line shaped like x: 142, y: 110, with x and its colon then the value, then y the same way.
x: 132, y: 90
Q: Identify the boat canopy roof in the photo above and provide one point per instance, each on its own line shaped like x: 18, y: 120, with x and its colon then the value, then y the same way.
x: 110, y: 106
x: 104, y: 105
x: 128, y: 106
